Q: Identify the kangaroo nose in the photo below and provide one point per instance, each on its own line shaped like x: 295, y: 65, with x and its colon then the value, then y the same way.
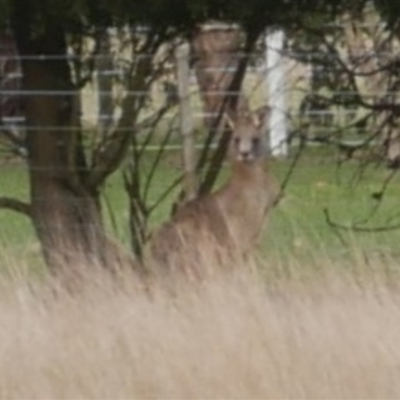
x: 245, y: 155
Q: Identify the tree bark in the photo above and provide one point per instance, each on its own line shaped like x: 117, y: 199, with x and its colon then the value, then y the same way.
x: 104, y: 67
x: 65, y: 211
x: 231, y: 101
x: 216, y: 59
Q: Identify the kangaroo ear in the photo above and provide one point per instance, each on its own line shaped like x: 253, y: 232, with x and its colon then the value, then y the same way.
x: 261, y: 115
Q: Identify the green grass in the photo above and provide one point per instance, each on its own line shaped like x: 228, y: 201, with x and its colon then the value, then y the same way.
x: 296, y: 228
x: 16, y: 231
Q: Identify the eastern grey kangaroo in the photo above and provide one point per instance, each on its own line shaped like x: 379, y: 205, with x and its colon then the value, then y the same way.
x: 228, y: 222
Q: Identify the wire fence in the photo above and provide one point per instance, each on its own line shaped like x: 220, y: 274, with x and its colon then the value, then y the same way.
x: 314, y: 89
x: 255, y: 88
x: 345, y: 95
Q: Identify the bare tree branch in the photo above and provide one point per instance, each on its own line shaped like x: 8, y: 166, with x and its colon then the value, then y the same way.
x: 155, y: 164
x: 354, y: 70
x: 357, y: 228
x: 292, y: 168
x: 16, y: 205
x: 166, y: 193
x: 379, y: 196
x: 108, y: 155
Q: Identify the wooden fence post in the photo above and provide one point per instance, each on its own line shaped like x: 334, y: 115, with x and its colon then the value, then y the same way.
x: 104, y: 70
x: 186, y: 122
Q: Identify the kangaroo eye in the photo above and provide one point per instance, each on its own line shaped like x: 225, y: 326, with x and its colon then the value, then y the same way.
x: 236, y: 140
x: 256, y: 141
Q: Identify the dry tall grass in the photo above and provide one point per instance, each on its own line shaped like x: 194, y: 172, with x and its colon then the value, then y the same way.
x: 331, y: 335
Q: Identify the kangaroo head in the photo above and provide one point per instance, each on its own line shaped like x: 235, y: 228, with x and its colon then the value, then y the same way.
x: 248, y: 142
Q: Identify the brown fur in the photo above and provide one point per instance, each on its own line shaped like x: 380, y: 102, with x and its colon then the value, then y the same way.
x: 227, y: 223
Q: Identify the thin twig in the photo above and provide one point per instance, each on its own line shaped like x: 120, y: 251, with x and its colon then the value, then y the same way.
x: 156, y: 162
x: 379, y: 196
x: 291, y: 168
x: 355, y: 228
x: 166, y: 193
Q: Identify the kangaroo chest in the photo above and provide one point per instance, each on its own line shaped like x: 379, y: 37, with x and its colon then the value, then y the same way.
x: 243, y: 208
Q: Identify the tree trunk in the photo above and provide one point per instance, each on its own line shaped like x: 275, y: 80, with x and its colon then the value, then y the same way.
x: 214, y: 47
x: 216, y: 51
x: 65, y: 212
x: 104, y: 67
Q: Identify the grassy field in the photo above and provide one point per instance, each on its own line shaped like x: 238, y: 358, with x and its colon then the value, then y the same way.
x: 321, y: 322
x: 296, y: 228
